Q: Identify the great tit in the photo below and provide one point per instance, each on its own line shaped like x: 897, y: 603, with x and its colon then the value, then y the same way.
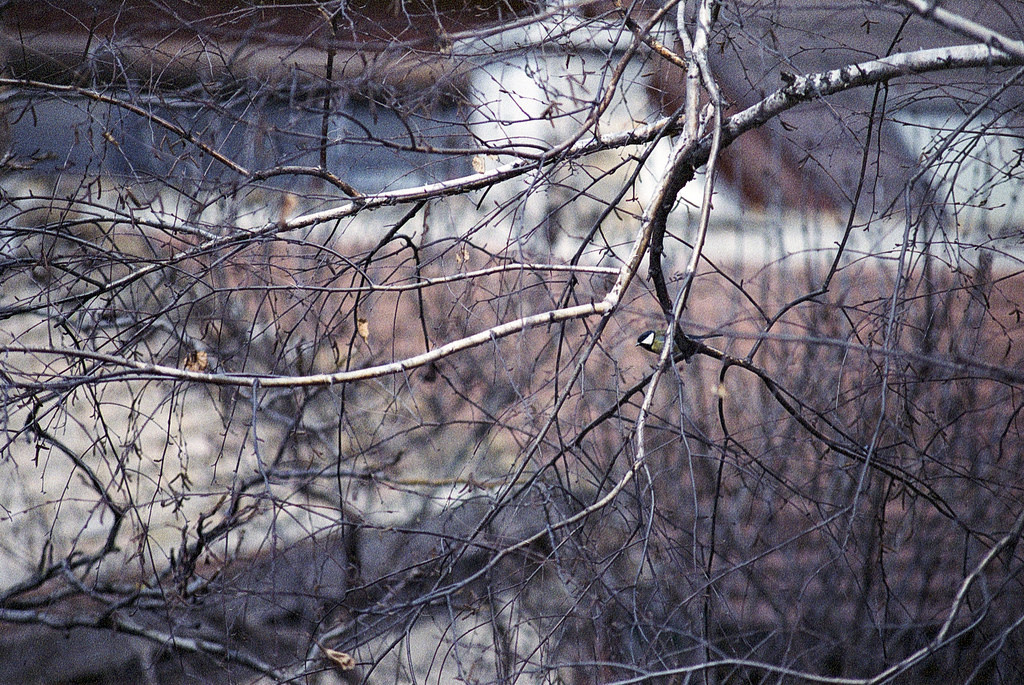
x: 654, y: 341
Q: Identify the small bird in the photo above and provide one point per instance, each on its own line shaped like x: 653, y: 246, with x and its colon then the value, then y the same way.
x: 654, y: 341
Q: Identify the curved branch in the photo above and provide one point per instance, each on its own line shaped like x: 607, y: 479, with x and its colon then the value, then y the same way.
x: 966, y: 27
x: 802, y: 89
x: 140, y: 369
x: 122, y: 625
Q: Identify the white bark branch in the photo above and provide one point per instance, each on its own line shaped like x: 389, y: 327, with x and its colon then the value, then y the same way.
x: 966, y: 27
x: 802, y: 89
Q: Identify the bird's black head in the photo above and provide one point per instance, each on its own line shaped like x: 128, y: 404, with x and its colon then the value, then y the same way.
x: 648, y: 340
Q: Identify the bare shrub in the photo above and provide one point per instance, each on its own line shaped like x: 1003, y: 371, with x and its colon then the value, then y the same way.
x: 319, y: 358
